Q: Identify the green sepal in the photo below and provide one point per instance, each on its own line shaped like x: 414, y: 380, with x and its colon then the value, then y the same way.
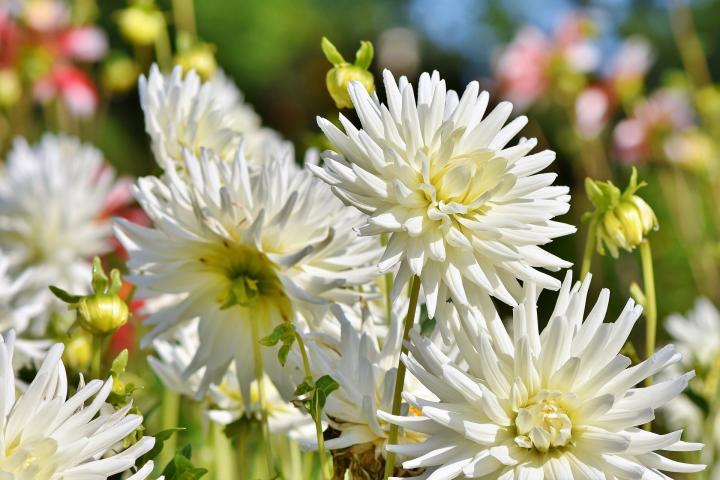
x: 64, y: 296
x: 331, y: 52
x: 364, y: 55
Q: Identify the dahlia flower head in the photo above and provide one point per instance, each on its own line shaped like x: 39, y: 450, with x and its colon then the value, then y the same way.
x: 185, y: 112
x: 559, y: 404
x: 464, y: 211
x: 52, y: 199
x: 224, y: 402
x: 47, y: 435
x: 238, y: 248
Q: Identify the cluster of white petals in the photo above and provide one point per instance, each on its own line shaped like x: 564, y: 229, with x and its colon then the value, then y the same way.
x: 46, y: 435
x: 183, y: 112
x: 237, y: 248
x: 465, y: 210
x: 52, y: 200
x: 557, y: 404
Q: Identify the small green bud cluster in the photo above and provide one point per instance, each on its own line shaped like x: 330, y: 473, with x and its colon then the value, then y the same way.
x: 620, y: 219
x: 342, y: 73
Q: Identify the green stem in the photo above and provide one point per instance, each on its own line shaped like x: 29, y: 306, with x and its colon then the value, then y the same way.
x: 223, y: 456
x: 650, y: 302
x: 97, y: 355
x: 184, y: 15
x: 163, y: 52
x: 325, y: 468
x: 241, y: 452
x: 388, y: 286
x: 259, y: 375
x: 589, y: 249
x: 170, y: 415
x: 400, y: 376
x: 709, y: 434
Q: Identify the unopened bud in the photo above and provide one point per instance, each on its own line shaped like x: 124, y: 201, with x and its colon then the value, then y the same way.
x: 141, y: 25
x: 10, y: 88
x: 119, y: 74
x: 622, y: 220
x: 78, y: 351
x: 342, y: 73
x: 199, y: 57
x: 102, y: 314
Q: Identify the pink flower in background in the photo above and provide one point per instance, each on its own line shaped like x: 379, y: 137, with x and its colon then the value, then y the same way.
x: 525, y: 68
x: 85, y: 44
x: 592, y: 110
x: 632, y: 60
x: 663, y: 112
x: 46, y: 15
x: 72, y: 85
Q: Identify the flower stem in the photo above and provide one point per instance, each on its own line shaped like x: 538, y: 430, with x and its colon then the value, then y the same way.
x: 259, y: 374
x: 388, y: 286
x: 325, y: 468
x: 170, y: 412
x: 97, y: 355
x: 222, y: 453
x: 650, y: 301
x: 163, y: 51
x: 400, y: 376
x: 184, y: 16
x: 589, y: 249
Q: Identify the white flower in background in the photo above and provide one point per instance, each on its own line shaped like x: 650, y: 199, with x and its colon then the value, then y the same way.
x: 464, y: 211
x: 46, y: 435
x: 183, y: 112
x: 238, y: 249
x: 697, y: 337
x: 52, y: 197
x: 364, y: 364
x: 559, y: 404
x: 224, y: 403
x: 18, y: 307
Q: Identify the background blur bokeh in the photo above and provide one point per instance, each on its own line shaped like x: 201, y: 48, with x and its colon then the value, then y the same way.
x: 606, y: 84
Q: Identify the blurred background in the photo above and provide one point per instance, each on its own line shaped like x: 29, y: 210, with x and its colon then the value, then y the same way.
x: 606, y: 84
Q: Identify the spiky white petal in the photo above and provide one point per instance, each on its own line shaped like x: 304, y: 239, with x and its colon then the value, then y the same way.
x: 44, y: 434
x: 464, y: 210
x: 560, y: 404
x: 52, y: 196
x: 182, y: 111
x: 279, y: 231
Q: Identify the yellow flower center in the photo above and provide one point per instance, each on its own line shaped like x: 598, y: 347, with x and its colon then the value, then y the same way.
x: 543, y: 425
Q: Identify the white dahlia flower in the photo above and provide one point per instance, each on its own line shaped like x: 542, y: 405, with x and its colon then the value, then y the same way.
x: 238, y: 249
x: 224, y: 402
x: 52, y: 200
x: 465, y: 212
x: 559, y: 404
x: 697, y: 336
x: 364, y: 365
x: 182, y: 111
x: 44, y: 435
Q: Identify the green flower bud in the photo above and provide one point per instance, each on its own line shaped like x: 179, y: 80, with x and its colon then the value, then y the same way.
x: 342, y: 73
x: 199, y: 57
x: 102, y: 314
x: 78, y: 351
x: 141, y: 25
x: 119, y: 74
x: 622, y: 219
x: 10, y: 87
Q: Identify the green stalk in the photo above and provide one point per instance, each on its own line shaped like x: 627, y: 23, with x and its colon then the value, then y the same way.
x: 259, y: 374
x: 325, y: 468
x: 400, y: 378
x: 184, y: 15
x: 170, y: 414
x: 388, y: 286
x: 97, y: 355
x: 650, y: 302
x: 223, y: 457
x: 163, y: 51
x: 589, y: 249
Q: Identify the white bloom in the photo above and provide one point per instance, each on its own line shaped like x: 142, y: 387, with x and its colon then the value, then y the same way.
x: 697, y: 336
x: 559, y: 404
x: 364, y: 365
x: 224, y: 403
x: 183, y: 112
x: 241, y: 249
x: 465, y: 211
x: 52, y: 197
x: 46, y: 435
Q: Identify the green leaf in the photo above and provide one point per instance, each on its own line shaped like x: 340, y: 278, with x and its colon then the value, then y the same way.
x: 182, y: 468
x: 63, y: 295
x: 331, y: 53
x: 119, y: 364
x: 279, y: 333
x: 99, y: 279
x: 364, y: 55
x: 115, y: 281
x: 324, y: 386
x: 160, y: 439
x: 306, y: 386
